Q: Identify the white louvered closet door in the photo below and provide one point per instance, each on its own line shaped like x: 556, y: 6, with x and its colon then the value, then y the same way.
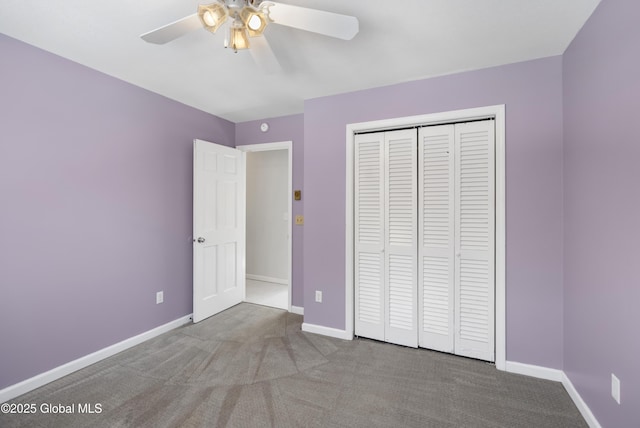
x: 401, y: 237
x: 475, y: 239
x: 369, y: 236
x: 425, y: 237
x: 436, y: 237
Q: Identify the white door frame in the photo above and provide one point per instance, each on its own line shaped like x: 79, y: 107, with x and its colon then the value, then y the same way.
x: 288, y: 146
x: 498, y: 113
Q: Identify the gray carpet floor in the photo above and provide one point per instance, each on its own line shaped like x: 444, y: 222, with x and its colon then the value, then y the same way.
x: 252, y: 366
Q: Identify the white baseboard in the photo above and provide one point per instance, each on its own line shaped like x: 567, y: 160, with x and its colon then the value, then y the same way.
x: 37, y: 381
x: 266, y: 279
x: 534, y: 371
x: 585, y: 411
x: 326, y: 331
x: 297, y: 310
x: 558, y: 376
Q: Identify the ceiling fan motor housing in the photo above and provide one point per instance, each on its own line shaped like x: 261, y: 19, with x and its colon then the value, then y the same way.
x: 237, y: 4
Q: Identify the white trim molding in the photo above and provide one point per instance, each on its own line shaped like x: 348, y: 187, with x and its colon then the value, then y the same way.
x: 534, y: 371
x: 497, y: 112
x: 298, y: 310
x: 557, y: 376
x: 37, y: 381
x: 267, y: 279
x: 326, y: 331
x: 585, y: 411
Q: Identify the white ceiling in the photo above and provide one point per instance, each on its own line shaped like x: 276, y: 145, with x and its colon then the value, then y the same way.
x: 398, y: 41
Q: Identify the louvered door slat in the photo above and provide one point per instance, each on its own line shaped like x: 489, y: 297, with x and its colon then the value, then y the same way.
x: 401, y: 237
x: 401, y: 292
x: 475, y: 214
x: 370, y: 297
x: 435, y: 301
x: 369, y: 236
x: 436, y: 246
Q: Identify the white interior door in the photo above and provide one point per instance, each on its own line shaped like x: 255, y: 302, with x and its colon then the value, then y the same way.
x: 369, y: 236
x: 401, y: 237
x: 475, y: 239
x: 386, y: 236
x: 425, y: 237
x: 436, y: 237
x: 218, y: 228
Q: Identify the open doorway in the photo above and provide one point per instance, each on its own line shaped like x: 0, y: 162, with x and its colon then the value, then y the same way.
x: 268, y: 229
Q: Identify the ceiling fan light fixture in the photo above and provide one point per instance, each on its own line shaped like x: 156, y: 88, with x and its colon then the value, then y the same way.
x: 212, y: 15
x: 254, y: 19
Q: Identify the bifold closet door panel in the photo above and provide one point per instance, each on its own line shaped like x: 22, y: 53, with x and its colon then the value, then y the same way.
x: 401, y: 237
x: 436, y: 247
x: 475, y: 239
x: 370, y: 299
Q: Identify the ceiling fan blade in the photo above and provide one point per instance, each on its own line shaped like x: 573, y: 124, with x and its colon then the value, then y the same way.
x: 263, y: 55
x: 343, y: 27
x: 172, y: 31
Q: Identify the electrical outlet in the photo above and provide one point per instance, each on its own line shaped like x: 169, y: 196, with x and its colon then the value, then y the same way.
x: 299, y: 219
x: 159, y: 297
x: 615, y: 388
x: 318, y: 296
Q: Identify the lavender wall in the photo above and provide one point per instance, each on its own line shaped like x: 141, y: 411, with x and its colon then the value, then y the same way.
x: 286, y: 128
x: 602, y: 202
x: 95, y: 209
x: 532, y: 93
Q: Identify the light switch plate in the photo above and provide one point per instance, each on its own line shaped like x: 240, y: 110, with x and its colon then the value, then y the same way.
x: 159, y: 297
x: 615, y: 388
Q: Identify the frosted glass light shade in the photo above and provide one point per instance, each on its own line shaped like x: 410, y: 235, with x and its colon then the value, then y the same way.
x: 238, y: 38
x: 254, y: 20
x: 212, y: 15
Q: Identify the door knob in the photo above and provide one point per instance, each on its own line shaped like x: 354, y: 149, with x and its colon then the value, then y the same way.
x: 201, y: 240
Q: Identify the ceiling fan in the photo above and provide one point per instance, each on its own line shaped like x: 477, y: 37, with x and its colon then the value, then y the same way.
x: 246, y: 21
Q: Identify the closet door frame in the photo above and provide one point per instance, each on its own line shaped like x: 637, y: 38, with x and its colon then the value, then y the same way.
x: 497, y: 112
